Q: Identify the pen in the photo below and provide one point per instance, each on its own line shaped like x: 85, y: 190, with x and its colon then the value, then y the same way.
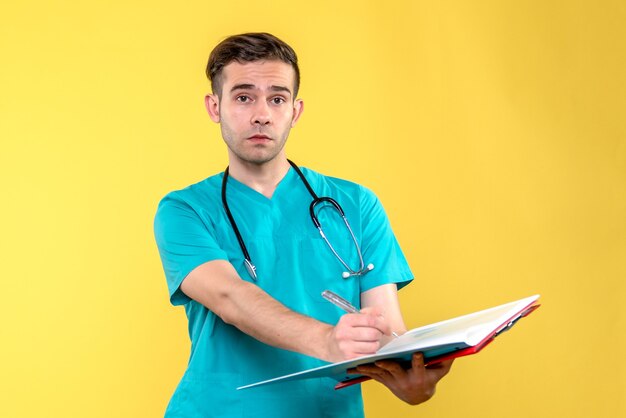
x: 340, y: 302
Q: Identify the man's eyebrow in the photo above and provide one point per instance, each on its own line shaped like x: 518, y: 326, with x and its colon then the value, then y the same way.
x: 280, y: 88
x: 243, y: 86
x: 248, y: 86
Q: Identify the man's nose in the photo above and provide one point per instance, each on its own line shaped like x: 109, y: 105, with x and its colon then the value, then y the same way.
x: 261, y: 115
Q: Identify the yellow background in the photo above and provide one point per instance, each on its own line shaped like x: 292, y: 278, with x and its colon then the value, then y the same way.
x: 493, y: 132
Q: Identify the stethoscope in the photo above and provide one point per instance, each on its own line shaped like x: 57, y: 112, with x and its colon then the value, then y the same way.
x: 251, y: 268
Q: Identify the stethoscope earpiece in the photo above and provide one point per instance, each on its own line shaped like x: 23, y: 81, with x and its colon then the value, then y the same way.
x: 251, y: 268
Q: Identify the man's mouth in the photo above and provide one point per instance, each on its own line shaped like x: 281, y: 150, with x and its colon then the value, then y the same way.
x: 259, y: 138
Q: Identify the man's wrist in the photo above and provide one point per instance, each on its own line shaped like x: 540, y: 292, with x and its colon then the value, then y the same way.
x: 323, y: 346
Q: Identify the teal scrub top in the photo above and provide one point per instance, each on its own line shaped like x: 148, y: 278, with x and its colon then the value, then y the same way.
x: 294, y: 265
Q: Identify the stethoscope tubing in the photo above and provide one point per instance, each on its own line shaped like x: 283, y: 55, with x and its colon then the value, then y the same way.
x: 251, y: 268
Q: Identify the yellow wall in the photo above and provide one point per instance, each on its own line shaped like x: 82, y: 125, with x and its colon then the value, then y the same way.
x: 493, y: 131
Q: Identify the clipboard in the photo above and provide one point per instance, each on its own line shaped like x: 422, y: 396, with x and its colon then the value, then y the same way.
x: 457, y: 337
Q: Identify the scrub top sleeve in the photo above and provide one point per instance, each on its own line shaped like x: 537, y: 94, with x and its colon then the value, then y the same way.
x: 380, y: 246
x: 184, y: 243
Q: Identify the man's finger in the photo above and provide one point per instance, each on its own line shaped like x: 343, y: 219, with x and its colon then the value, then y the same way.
x: 372, y: 310
x: 373, y: 317
x: 374, y: 372
x: 417, y: 361
x: 391, y: 366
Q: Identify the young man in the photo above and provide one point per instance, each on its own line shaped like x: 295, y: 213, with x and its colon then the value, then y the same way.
x: 241, y: 253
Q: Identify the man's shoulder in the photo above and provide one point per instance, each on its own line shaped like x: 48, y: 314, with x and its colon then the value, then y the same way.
x: 338, y: 184
x: 201, y: 191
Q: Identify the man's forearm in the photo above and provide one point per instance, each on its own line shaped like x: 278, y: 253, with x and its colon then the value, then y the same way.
x: 259, y: 315
x: 246, y: 306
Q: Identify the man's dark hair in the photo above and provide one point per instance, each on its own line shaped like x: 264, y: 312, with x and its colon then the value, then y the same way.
x: 248, y: 47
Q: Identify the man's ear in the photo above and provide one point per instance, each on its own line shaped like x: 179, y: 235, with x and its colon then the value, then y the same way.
x: 212, y: 104
x: 298, y: 108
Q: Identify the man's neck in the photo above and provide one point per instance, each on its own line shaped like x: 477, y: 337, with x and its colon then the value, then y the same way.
x: 262, y: 178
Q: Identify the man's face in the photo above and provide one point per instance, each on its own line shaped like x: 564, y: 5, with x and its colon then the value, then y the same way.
x: 256, y: 109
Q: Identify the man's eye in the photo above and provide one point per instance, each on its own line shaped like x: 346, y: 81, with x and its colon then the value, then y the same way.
x: 278, y: 100
x: 243, y: 99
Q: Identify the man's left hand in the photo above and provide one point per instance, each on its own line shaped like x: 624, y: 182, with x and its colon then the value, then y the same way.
x: 414, y: 385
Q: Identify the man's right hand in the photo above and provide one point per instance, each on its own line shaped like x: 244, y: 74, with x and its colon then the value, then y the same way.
x: 357, y: 334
